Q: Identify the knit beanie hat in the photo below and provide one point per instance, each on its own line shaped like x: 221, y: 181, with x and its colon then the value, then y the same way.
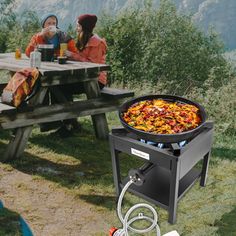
x: 45, y: 17
x: 87, y: 21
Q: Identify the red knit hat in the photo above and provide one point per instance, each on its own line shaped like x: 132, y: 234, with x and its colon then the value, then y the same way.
x: 87, y: 21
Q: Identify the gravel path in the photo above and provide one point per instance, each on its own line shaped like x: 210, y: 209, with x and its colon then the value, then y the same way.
x: 48, y: 208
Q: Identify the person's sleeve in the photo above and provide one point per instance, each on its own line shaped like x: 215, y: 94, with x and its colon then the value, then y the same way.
x: 78, y: 57
x: 32, y: 44
x: 95, y: 54
x: 71, y: 46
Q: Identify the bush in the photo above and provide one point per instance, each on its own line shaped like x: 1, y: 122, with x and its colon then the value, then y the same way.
x: 25, y: 26
x: 7, y: 22
x: 160, y: 44
x: 220, y: 104
x: 16, y: 30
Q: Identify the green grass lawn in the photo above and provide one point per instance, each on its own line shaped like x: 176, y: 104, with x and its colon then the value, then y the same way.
x: 82, y: 166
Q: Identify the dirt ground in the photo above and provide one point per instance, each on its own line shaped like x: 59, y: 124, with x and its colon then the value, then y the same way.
x: 49, y: 209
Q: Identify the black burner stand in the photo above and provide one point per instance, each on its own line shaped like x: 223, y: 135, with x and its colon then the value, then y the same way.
x: 169, y: 172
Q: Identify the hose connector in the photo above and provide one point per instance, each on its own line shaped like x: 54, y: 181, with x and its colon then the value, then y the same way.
x: 137, y: 177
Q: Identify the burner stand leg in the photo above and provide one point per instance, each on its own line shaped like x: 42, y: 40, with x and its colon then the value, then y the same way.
x: 115, y: 168
x: 205, y: 165
x: 174, y: 188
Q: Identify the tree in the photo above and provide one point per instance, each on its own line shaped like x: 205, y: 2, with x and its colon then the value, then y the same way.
x: 16, y: 30
x: 25, y: 26
x: 159, y: 44
x: 7, y: 21
x: 71, y: 31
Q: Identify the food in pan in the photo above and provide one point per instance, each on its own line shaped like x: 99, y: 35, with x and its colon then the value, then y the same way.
x: 162, y: 117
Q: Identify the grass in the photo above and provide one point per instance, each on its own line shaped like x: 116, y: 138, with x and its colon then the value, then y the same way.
x: 82, y: 166
x: 227, y: 226
x: 9, y: 223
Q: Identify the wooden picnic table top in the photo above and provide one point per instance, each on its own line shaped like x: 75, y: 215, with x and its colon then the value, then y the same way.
x: 53, y: 74
x: 8, y: 62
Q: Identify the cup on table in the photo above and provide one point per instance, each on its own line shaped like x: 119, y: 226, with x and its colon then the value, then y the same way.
x: 62, y: 60
x: 47, y: 52
x: 52, y: 29
x: 63, y: 49
x: 18, y: 53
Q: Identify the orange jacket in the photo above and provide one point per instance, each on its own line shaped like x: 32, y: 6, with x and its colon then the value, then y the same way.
x: 39, y: 39
x: 94, y: 51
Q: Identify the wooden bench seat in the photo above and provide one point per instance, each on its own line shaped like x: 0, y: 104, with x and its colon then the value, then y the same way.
x: 7, y: 109
x: 11, y: 117
x: 111, y: 93
x: 4, y: 108
x: 116, y: 93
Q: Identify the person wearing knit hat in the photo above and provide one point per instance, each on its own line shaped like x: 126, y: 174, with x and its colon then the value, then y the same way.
x: 91, y: 48
x: 87, y: 22
x: 50, y: 34
x: 46, y: 16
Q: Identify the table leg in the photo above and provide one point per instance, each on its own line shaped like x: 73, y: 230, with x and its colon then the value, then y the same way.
x: 18, y: 142
x: 100, y: 125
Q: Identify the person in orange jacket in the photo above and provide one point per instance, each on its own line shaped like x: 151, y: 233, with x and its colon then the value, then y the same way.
x: 91, y: 48
x: 50, y: 34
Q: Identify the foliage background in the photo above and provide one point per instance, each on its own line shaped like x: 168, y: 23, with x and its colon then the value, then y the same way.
x: 153, y: 51
x: 149, y: 44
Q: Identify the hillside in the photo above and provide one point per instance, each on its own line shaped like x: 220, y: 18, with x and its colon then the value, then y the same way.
x: 221, y: 15
x: 206, y: 13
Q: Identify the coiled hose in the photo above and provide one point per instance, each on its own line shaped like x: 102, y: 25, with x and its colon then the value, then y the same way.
x: 126, y: 222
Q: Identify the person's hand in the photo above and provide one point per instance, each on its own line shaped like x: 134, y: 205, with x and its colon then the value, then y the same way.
x: 44, y: 32
x: 68, y: 53
x: 49, y: 32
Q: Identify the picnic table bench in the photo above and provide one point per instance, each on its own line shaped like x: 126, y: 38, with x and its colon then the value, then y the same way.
x: 52, y: 76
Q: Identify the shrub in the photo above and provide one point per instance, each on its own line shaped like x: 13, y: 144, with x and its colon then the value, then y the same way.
x: 152, y: 44
x: 7, y: 22
x: 16, y: 30
x: 220, y: 104
x: 27, y: 25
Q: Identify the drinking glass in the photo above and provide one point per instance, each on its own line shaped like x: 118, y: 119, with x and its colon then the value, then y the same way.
x: 63, y: 48
x: 18, y: 53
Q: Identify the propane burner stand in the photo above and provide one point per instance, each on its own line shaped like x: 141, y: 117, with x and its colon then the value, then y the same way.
x: 168, y: 172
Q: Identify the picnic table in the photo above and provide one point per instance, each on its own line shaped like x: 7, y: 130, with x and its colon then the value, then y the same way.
x: 52, y: 76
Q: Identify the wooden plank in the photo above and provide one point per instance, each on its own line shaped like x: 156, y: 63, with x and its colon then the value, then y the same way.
x: 56, y: 112
x: 49, y: 80
x: 4, y: 108
x: 9, y: 55
x: 59, y: 80
x: 116, y: 93
x: 10, y: 110
x: 10, y: 66
x: 48, y: 69
x: 8, y: 62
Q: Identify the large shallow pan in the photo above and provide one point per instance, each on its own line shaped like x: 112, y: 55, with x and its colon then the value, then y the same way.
x: 163, y: 138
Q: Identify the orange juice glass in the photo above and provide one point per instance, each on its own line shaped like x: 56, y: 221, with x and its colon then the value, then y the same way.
x: 18, y: 53
x: 63, y: 48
